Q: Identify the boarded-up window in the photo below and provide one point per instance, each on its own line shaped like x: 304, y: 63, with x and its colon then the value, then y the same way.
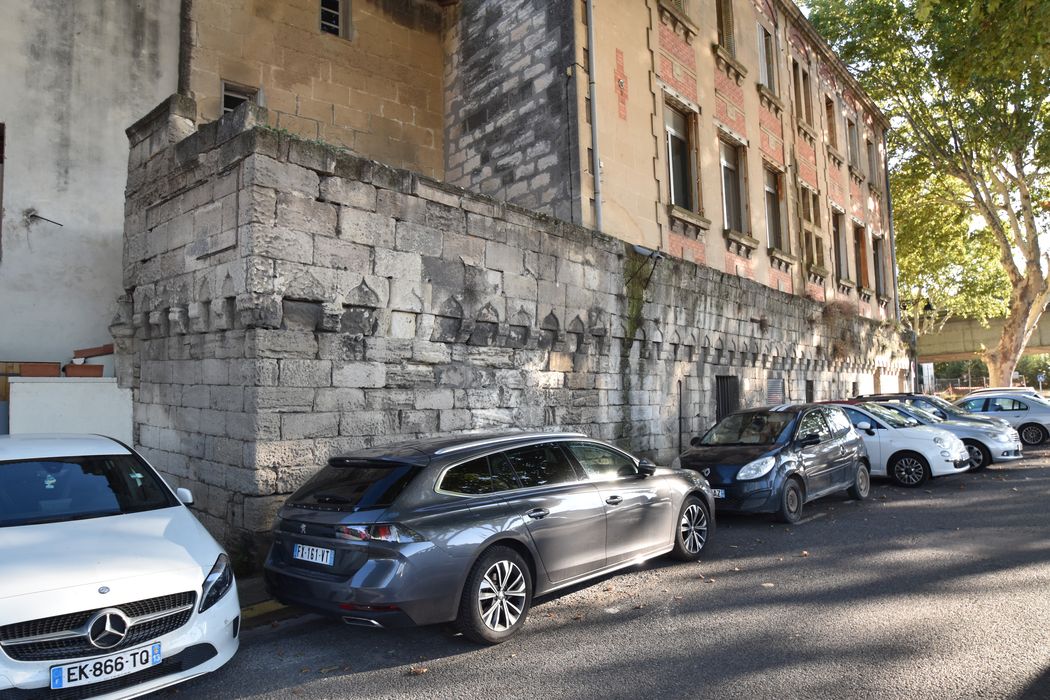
x: 775, y: 391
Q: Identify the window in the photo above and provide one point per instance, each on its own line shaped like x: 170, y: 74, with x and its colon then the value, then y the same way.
x: 732, y: 187
x: 767, y: 67
x: 831, y: 116
x: 346, y: 484
x: 1006, y: 405
x: 877, y: 261
x: 775, y: 391
x: 233, y: 96
x: 811, y: 395
x: 974, y: 405
x: 837, y: 421
x: 812, y: 240
x: 852, y: 145
x: 812, y: 423
x: 724, y: 14
x: 838, y: 232
x: 873, y: 161
x: 856, y: 418
x: 680, y: 163
x: 727, y: 395
x: 860, y: 251
x: 542, y: 465
x: 601, y: 463
x: 478, y: 476
x: 335, y: 17
x: 803, y: 104
x: 774, y: 230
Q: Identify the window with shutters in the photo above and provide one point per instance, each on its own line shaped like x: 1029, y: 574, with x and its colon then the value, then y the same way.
x: 681, y: 162
x: 803, y: 102
x: 873, y: 161
x: 878, y: 264
x: 852, y: 145
x: 831, y: 116
x: 774, y: 226
x: 724, y: 17
x: 775, y: 391
x: 812, y: 236
x: 767, y: 67
x: 838, y: 233
x: 732, y: 163
x: 860, y: 254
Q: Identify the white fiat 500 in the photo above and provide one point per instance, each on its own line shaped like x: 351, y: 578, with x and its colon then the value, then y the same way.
x: 109, y: 587
x: 906, y: 453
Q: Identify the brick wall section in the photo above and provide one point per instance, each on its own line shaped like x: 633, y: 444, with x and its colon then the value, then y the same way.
x: 286, y: 303
x: 677, y: 61
x: 377, y: 92
x: 779, y: 279
x: 729, y: 102
x: 509, y: 134
x: 772, y: 142
x: 807, y: 161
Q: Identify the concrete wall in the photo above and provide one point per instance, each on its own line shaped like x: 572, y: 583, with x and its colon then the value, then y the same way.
x: 286, y: 303
x: 510, y: 106
x: 73, y: 76
x: 376, y: 91
x: 71, y: 405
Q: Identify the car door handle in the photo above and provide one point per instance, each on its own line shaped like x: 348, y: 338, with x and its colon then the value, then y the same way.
x: 614, y: 500
x: 538, y: 513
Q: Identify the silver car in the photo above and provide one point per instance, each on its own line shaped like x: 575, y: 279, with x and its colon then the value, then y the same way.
x: 469, y: 528
x: 987, y: 444
x: 1028, y: 414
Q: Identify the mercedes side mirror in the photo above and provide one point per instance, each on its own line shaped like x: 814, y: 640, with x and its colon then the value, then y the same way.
x: 646, y: 468
x: 696, y: 441
x: 185, y: 496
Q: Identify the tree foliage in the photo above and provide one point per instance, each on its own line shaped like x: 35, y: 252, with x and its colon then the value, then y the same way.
x: 983, y: 122
x: 946, y: 267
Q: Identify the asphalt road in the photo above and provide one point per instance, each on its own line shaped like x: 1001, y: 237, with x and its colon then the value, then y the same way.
x: 940, y: 592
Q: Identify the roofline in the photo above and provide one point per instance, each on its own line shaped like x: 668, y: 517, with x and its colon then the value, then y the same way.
x: 822, y: 45
x: 510, y: 438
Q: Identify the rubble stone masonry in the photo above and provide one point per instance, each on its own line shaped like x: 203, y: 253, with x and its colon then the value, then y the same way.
x: 286, y: 302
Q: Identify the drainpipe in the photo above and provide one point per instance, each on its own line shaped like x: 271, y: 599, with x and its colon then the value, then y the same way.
x: 596, y: 164
x: 185, y: 46
x: 889, y: 217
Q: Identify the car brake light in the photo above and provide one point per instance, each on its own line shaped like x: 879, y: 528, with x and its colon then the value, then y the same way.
x: 382, y: 532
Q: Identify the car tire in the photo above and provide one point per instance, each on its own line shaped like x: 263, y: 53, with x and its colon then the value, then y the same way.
x: 909, y: 469
x: 692, y: 530
x: 791, y: 502
x: 980, y: 456
x: 1032, y: 434
x: 861, y: 488
x: 499, y: 584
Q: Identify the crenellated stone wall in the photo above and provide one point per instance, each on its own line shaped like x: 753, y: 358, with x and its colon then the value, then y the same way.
x: 286, y: 302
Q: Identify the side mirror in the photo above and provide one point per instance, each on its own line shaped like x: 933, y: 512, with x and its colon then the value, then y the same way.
x: 809, y: 440
x: 866, y: 427
x: 185, y: 496
x: 646, y: 468
x: 695, y: 441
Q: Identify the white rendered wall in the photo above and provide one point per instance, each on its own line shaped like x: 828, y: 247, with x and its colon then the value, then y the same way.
x: 58, y: 405
x: 73, y: 77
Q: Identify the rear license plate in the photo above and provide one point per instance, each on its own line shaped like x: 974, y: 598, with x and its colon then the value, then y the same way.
x: 719, y: 493
x: 105, y: 668
x: 314, y: 555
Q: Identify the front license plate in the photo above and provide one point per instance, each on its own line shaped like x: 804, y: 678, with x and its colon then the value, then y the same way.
x: 112, y: 666
x: 314, y: 555
x: 719, y: 493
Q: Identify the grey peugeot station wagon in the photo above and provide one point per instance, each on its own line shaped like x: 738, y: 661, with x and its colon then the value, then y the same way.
x: 469, y: 528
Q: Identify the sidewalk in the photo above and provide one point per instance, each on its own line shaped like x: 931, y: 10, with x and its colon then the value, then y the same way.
x: 257, y: 607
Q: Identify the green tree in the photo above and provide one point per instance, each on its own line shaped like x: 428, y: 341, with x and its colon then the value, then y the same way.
x: 985, y: 123
x: 946, y: 266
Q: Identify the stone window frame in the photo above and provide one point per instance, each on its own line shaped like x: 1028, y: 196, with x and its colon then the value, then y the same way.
x: 878, y: 258
x: 811, y: 232
x: 853, y: 145
x: 340, y: 10
x: 724, y: 23
x: 726, y: 142
x: 768, y: 50
x: 691, y: 114
x: 840, y: 246
x: 871, y: 152
x: 782, y: 240
x: 238, y: 92
x: 860, y: 255
x: 802, y: 89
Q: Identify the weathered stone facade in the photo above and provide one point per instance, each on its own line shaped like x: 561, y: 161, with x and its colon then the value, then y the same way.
x: 510, y: 133
x: 286, y: 302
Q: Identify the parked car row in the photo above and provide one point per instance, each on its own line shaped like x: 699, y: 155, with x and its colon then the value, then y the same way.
x: 465, y: 529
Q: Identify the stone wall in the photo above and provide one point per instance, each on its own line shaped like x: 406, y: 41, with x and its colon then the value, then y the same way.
x: 286, y: 302
x: 510, y: 106
x: 376, y: 89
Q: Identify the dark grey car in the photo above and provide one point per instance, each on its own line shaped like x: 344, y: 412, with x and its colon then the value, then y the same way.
x: 469, y: 528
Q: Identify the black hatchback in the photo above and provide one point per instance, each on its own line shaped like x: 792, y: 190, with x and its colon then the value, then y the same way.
x: 775, y: 459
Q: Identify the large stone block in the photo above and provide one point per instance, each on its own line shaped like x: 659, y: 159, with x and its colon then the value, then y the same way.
x: 359, y: 374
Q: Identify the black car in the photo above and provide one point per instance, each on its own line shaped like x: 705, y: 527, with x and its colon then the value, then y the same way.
x: 775, y: 459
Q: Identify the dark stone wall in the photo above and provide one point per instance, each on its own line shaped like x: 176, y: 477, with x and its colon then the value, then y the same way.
x: 510, y: 105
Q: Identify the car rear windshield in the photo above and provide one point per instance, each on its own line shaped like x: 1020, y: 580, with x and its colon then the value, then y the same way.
x: 77, y: 488
x: 751, y: 428
x: 354, y: 485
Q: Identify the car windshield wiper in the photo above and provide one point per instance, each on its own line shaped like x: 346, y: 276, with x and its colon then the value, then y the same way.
x: 331, y: 498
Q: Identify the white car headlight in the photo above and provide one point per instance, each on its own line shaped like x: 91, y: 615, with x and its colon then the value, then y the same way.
x: 1005, y: 438
x: 217, y: 583
x: 756, y: 469
x: 939, y: 442
x: 676, y: 463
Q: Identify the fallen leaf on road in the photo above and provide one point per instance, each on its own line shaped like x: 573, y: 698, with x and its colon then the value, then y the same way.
x: 417, y: 670
x: 768, y: 585
x: 710, y: 580
x: 736, y: 568
x: 804, y: 554
x: 328, y: 669
x: 577, y: 617
x: 1015, y: 489
x: 639, y: 606
x: 701, y: 575
x: 304, y: 670
x: 678, y: 597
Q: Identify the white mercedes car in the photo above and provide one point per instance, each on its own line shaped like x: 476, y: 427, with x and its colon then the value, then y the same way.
x: 1028, y: 414
x: 109, y: 587
x: 908, y: 454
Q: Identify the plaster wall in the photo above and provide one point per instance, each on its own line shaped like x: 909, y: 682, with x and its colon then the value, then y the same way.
x: 78, y: 405
x: 73, y: 76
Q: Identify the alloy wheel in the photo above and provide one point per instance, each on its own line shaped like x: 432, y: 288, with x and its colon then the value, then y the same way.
x: 501, y: 597
x: 1032, y: 434
x: 694, y: 528
x: 909, y: 471
x: 976, y: 457
x: 863, y: 483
